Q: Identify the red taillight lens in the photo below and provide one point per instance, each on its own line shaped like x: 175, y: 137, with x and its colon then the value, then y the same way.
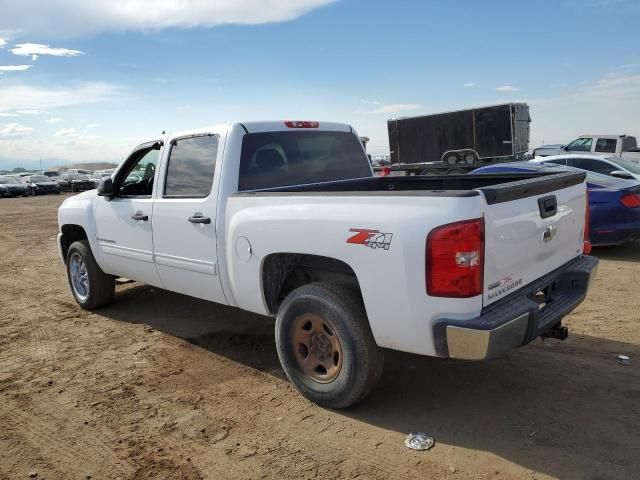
x: 630, y: 200
x: 586, y: 249
x: 385, y: 172
x: 455, y: 259
x: 301, y: 124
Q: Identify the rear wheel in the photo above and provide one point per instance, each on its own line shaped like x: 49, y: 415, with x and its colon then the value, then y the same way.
x: 325, y: 345
x: 90, y: 286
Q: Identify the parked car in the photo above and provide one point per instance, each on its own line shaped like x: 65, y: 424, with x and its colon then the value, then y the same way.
x: 624, y: 146
x: 75, y: 182
x: 15, y: 186
x: 43, y: 184
x: 614, y: 203
x: 296, y: 226
x: 611, y: 166
x: 52, y: 174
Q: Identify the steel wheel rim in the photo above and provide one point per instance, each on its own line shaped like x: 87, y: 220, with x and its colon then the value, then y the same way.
x: 79, y: 276
x: 317, y: 348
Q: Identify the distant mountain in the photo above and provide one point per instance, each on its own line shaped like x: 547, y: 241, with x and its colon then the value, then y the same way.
x: 8, y: 164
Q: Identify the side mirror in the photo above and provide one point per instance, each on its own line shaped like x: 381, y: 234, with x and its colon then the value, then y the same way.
x: 565, y: 148
x: 105, y: 188
x: 622, y: 174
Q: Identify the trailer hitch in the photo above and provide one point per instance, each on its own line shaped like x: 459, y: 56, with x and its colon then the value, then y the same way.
x: 557, y: 331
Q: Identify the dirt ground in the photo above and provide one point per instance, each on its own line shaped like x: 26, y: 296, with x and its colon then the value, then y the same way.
x: 160, y: 385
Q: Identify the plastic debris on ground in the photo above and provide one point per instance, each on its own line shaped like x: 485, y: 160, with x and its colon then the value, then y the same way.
x: 419, y: 441
x: 624, y: 360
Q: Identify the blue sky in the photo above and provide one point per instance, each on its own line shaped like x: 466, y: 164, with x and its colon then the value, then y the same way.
x: 105, y: 75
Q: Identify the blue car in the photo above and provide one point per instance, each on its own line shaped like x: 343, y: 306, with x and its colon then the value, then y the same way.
x: 614, y: 203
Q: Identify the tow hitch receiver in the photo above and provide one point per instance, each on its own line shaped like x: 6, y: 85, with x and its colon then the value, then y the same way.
x: 557, y: 331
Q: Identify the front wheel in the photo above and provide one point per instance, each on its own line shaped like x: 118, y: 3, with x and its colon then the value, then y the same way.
x: 325, y: 345
x: 90, y: 286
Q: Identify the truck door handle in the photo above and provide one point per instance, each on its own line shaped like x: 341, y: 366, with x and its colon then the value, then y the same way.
x: 140, y: 216
x: 199, y: 218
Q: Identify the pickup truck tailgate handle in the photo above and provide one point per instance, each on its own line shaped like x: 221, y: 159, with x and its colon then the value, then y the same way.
x: 548, y: 206
x: 140, y: 216
x: 199, y: 219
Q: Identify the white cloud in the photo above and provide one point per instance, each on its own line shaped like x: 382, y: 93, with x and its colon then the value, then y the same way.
x: 30, y: 111
x: 395, y: 108
x: 469, y: 85
x: 33, y: 50
x: 14, y: 68
x: 14, y: 130
x: 66, y: 132
x: 7, y: 114
x: 91, y: 125
x: 55, y: 120
x: 507, y: 88
x: 67, y: 17
x: 3, y: 42
x: 27, y: 97
x: 183, y: 107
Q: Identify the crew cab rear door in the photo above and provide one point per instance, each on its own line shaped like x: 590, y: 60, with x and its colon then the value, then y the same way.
x: 184, y: 235
x: 532, y: 227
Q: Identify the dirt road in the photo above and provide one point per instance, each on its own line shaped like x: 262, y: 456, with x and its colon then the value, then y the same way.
x: 161, y: 385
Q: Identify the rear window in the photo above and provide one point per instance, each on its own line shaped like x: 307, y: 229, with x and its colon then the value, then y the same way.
x: 280, y: 159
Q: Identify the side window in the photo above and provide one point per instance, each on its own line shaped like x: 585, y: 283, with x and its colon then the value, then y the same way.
x: 138, y: 179
x: 561, y: 161
x: 593, y: 165
x: 582, y: 144
x: 192, y: 163
x: 606, y: 145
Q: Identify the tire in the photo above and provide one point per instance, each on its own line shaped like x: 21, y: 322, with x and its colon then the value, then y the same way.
x: 469, y: 158
x: 357, y: 369
x: 101, y: 287
x: 451, y: 158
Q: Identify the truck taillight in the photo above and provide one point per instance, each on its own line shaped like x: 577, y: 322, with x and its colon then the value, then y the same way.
x: 455, y: 259
x: 586, y: 249
x: 630, y: 200
x: 301, y: 124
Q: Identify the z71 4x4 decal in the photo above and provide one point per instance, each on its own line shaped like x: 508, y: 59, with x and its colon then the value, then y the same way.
x: 370, y: 238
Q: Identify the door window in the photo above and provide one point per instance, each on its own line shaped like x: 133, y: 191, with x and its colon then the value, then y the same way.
x: 137, y: 179
x: 582, y: 144
x: 606, y: 145
x: 192, y: 163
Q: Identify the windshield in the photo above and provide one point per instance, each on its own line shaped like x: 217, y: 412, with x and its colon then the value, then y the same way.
x: 6, y: 180
x: 52, y: 174
x: 626, y: 164
x: 278, y: 159
x: 39, y: 178
x: 582, y: 144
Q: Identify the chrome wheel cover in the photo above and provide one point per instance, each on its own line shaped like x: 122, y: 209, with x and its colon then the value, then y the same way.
x: 79, y: 277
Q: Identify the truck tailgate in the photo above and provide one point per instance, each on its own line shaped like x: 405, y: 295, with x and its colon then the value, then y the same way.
x: 532, y: 227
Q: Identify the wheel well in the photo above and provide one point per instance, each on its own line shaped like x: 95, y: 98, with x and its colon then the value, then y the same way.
x: 70, y: 234
x: 284, y: 272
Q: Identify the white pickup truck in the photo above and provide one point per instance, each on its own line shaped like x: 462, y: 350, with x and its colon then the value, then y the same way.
x: 623, y: 146
x: 287, y: 219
